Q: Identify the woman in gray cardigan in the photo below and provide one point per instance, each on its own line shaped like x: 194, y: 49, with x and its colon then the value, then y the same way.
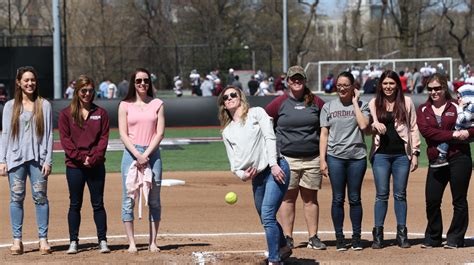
x: 26, y: 149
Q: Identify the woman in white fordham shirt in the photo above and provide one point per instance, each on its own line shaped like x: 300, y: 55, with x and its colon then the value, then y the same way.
x: 251, y: 147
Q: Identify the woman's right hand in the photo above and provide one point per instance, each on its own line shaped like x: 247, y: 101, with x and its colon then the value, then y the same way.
x: 3, y: 169
x: 249, y: 173
x: 379, y: 127
x: 323, y: 166
x: 142, y: 160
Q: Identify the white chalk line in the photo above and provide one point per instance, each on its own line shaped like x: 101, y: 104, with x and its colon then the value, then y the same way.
x: 3, y: 245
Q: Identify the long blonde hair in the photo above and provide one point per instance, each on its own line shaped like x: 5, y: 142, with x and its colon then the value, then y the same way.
x: 18, y: 104
x: 224, y: 115
x: 82, y: 81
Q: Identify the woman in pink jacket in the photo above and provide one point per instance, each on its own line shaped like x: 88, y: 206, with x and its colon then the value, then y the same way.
x: 395, y: 151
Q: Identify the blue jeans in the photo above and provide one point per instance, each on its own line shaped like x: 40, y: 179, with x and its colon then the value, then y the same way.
x: 39, y: 188
x: 154, y: 202
x: 268, y: 195
x: 350, y: 173
x: 384, y: 165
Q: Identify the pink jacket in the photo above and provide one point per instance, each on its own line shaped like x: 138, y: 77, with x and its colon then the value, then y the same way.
x: 409, y: 134
x: 138, y: 181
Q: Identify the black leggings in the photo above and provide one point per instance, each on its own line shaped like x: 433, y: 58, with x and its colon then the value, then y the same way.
x: 458, y: 174
x: 76, y: 180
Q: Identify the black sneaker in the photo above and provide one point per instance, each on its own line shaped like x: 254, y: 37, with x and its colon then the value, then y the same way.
x: 440, y: 162
x: 315, y: 243
x: 340, y: 244
x: 428, y: 245
x: 285, y: 252
x: 356, y: 245
x: 290, y: 242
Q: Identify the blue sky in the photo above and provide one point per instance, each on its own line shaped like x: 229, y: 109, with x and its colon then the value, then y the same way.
x: 331, y: 7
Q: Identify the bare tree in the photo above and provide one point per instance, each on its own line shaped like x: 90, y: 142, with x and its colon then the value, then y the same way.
x: 459, y: 33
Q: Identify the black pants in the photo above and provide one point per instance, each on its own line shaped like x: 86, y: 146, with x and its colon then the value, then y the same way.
x: 76, y: 180
x: 458, y: 174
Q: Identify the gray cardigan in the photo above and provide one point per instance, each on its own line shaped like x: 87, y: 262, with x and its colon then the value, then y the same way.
x: 27, y: 146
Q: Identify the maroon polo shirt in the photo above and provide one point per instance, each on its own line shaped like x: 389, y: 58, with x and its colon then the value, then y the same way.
x: 90, y: 140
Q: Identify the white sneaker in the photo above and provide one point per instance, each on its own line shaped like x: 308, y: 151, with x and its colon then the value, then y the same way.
x: 103, y: 248
x: 72, y: 248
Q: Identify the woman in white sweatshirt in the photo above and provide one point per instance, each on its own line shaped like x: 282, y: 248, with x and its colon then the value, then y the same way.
x: 251, y: 147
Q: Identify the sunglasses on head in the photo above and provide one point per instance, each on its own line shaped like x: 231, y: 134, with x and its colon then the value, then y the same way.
x: 435, y: 88
x: 229, y: 96
x: 86, y: 90
x: 140, y: 80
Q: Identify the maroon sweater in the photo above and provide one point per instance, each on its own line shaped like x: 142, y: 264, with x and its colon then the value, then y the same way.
x: 436, y: 134
x: 90, y: 140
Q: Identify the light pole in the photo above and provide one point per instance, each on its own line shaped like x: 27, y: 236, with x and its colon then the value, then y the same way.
x: 285, y: 35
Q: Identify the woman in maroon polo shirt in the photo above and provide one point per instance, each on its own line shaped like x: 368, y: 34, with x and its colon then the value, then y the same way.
x: 84, y: 133
x: 436, y: 120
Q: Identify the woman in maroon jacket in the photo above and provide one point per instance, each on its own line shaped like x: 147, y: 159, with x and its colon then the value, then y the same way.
x: 84, y: 133
x: 436, y: 119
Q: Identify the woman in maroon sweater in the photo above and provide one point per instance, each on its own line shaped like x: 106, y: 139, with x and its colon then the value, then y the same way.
x: 84, y: 133
x: 436, y: 119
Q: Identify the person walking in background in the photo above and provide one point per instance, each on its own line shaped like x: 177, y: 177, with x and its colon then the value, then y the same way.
x: 141, y: 121
x: 70, y: 90
x: 231, y: 77
x: 280, y: 83
x: 122, y: 88
x: 251, y: 148
x: 26, y: 149
x: 195, y: 80
x: 437, y: 121
x: 84, y: 133
x: 237, y: 83
x: 395, y: 151
x: 253, y: 86
x: 416, y: 84
x: 296, y: 116
x: 207, y: 86
x: 343, y: 155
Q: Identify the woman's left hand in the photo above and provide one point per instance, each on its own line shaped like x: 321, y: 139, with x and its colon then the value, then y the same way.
x: 414, y: 163
x: 278, y: 174
x: 46, y: 170
x: 356, y: 96
x: 463, y: 135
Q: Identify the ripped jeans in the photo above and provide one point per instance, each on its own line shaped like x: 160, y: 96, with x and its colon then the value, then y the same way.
x: 39, y: 187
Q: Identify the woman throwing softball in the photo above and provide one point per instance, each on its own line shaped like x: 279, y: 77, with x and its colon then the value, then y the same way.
x: 251, y: 147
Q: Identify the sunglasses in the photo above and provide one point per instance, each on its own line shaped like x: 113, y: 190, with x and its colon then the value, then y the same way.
x: 435, y: 88
x: 138, y: 81
x: 297, y: 81
x: 86, y: 90
x: 229, y: 96
x: 341, y: 86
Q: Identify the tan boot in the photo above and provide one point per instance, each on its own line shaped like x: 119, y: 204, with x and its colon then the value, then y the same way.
x: 44, y: 248
x: 17, y: 247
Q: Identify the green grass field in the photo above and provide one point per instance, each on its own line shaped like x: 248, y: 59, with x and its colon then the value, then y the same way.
x: 193, y: 157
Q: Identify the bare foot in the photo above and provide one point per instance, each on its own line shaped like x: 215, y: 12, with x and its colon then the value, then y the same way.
x: 154, y: 248
x: 132, y: 249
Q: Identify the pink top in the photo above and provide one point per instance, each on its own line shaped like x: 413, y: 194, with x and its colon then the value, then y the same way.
x: 141, y: 121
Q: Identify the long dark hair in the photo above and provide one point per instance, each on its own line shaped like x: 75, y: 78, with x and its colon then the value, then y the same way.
x: 399, y: 110
x: 76, y: 107
x: 18, y: 104
x: 131, y: 95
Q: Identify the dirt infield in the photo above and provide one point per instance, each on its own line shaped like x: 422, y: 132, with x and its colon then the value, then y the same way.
x: 199, y: 227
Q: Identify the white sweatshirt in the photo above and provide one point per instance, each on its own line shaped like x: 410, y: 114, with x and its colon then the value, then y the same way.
x: 252, y: 143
